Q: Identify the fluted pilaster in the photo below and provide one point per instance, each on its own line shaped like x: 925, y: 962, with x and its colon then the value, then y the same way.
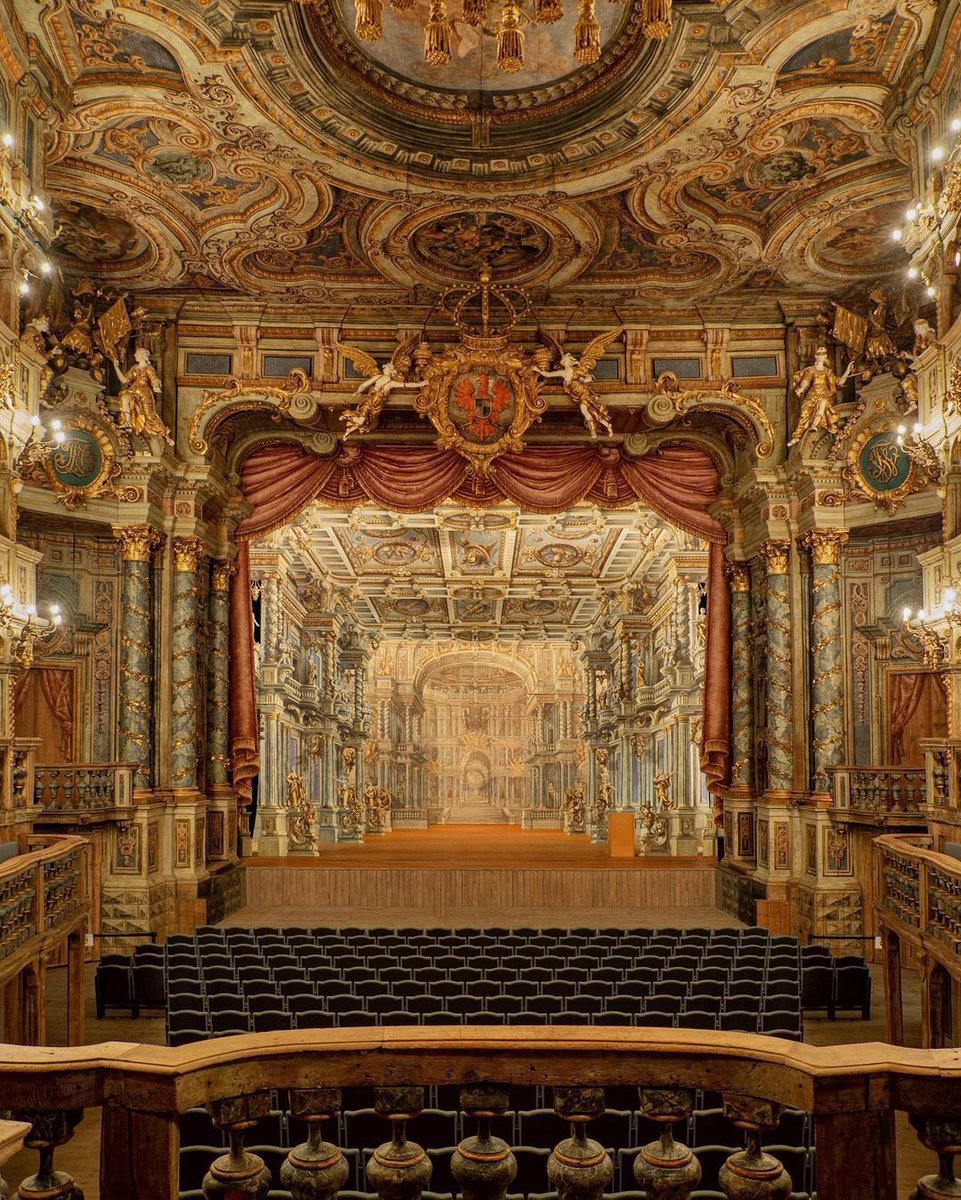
x: 780, y: 741
x: 137, y: 545
x: 185, y: 715
x: 827, y: 676
x: 742, y: 685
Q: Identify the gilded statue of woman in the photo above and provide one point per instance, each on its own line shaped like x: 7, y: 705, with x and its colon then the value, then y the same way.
x: 138, y: 406
x: 817, y: 385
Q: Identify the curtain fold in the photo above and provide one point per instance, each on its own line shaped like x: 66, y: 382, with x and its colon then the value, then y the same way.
x: 56, y: 684
x: 906, y: 692
x: 678, y: 482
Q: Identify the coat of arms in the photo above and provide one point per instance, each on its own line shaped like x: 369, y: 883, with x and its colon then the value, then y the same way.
x: 482, y: 394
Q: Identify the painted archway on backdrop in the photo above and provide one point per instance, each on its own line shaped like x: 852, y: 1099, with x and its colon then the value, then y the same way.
x: 679, y: 482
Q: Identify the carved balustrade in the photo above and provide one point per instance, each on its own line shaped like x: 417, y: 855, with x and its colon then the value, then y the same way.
x: 880, y: 795
x: 79, y: 793
x: 43, y: 897
x: 852, y: 1091
x: 943, y: 772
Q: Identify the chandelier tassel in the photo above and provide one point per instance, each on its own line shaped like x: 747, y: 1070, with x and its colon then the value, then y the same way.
x: 546, y: 12
x: 656, y: 18
x: 437, y: 37
x: 370, y: 20
x: 474, y: 13
x: 587, y: 33
x: 510, y: 39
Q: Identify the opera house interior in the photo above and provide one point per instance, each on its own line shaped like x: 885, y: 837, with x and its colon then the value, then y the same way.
x: 480, y: 599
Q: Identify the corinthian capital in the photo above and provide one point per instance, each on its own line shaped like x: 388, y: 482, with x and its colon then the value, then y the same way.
x: 188, y: 552
x: 824, y: 545
x: 739, y: 573
x: 138, y: 542
x: 776, y: 555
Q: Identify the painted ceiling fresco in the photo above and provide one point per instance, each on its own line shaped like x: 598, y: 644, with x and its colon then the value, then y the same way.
x: 273, y: 156
x: 466, y: 575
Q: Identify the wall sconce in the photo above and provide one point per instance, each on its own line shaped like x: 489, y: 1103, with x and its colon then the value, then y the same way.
x: 934, y: 648
x: 39, y: 446
x: 34, y: 633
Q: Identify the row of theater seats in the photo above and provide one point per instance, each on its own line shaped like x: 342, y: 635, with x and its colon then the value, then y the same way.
x: 233, y: 981
x: 530, y: 1132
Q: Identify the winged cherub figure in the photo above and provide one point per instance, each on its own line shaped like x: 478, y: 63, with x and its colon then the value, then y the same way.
x: 576, y: 375
x: 378, y: 385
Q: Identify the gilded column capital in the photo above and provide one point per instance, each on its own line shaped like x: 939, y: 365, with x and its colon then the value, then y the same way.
x: 188, y: 551
x: 739, y: 573
x: 824, y: 545
x: 776, y: 555
x: 220, y: 576
x: 138, y: 542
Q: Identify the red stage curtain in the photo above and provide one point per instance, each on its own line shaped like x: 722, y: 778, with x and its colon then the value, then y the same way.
x: 678, y: 482
x: 244, y: 723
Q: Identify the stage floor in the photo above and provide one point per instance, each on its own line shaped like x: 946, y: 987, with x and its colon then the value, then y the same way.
x: 479, y: 874
x: 454, y: 847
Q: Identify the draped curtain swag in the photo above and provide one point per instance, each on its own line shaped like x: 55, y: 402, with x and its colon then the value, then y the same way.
x: 680, y: 483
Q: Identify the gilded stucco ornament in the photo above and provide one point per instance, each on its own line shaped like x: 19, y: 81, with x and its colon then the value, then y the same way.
x: 84, y: 466
x: 296, y: 399
x: 670, y: 399
x: 378, y: 385
x: 483, y: 394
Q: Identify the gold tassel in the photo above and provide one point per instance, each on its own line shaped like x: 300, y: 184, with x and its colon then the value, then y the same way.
x: 587, y: 33
x: 437, y: 35
x: 656, y: 18
x: 510, y: 39
x: 369, y: 26
x: 546, y: 12
x: 474, y: 13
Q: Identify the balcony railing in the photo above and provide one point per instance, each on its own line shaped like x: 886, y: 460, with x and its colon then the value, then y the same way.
x: 83, y: 792
x: 852, y: 1091
x: 919, y: 888
x: 881, y: 795
x: 43, y: 897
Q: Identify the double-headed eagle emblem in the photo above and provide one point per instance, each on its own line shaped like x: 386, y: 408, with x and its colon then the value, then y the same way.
x: 482, y: 394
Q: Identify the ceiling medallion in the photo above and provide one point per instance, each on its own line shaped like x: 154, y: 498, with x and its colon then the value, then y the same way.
x: 482, y: 394
x: 440, y: 36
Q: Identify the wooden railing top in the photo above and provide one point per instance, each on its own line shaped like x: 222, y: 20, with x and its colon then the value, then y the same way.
x: 878, y: 768
x: 870, y: 1076
x: 912, y: 845
x: 54, y: 846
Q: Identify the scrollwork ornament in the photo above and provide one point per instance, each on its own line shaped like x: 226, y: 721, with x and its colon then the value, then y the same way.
x: 216, y: 405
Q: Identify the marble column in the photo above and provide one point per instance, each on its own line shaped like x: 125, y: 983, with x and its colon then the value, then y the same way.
x: 185, y: 715
x: 827, y: 675
x: 742, y: 688
x: 778, y: 682
x: 221, y: 798
x: 135, y: 702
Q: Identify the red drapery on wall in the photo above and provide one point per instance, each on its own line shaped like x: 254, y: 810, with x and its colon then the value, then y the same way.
x: 678, y: 482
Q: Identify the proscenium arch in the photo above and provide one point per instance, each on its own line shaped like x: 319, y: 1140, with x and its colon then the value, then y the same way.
x: 488, y: 658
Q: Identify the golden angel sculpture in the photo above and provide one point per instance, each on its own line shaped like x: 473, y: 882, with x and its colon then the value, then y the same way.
x: 817, y: 386
x: 138, y: 405
x: 576, y: 376
x: 378, y: 385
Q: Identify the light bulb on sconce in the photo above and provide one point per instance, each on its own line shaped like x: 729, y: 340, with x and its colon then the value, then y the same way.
x: 897, y: 235
x: 7, y: 140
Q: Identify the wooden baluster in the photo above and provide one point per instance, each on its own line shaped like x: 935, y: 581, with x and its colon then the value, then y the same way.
x: 314, y: 1170
x: 665, y: 1169
x: 238, y: 1173
x: 49, y: 1130
x: 751, y: 1174
x: 483, y: 1165
x: 399, y: 1169
x: 579, y: 1168
x: 943, y: 1136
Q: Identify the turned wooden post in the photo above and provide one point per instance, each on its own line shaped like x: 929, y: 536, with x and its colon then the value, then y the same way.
x: 238, y: 1173
x: 314, y: 1170
x: 943, y: 1136
x: 48, y: 1131
x: 484, y: 1165
x: 753, y: 1174
x: 139, y: 1154
x: 579, y: 1168
x: 665, y: 1169
x: 399, y: 1169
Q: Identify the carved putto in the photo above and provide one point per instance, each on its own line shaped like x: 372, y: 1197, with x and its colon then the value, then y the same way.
x: 378, y: 385
x: 576, y: 375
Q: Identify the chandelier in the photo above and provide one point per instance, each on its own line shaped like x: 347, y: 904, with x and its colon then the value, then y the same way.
x: 513, y: 15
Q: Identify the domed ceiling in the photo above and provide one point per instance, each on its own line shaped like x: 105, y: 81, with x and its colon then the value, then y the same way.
x: 265, y: 151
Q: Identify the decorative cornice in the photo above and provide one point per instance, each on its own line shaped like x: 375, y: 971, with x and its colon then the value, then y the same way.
x: 776, y: 555
x: 824, y: 545
x: 138, y: 542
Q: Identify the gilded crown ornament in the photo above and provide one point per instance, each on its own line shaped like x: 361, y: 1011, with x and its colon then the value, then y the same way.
x: 442, y: 40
